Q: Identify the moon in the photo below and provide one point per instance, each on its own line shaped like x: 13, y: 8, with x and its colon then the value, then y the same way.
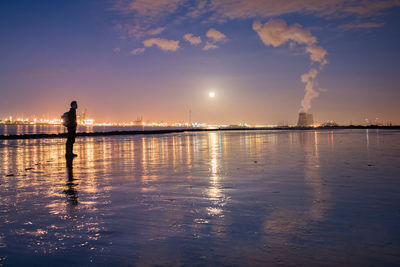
x: 211, y: 94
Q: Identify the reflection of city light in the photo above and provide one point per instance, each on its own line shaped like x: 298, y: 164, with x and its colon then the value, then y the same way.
x: 214, y: 165
x: 214, y: 190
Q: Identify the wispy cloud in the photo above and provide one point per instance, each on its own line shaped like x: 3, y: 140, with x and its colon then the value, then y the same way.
x: 148, y: 8
x: 117, y: 49
x: 215, y: 35
x: 142, y: 18
x: 199, y: 9
x: 155, y: 31
x: 233, y: 9
x: 277, y: 32
x: 137, y: 51
x: 209, y: 46
x: 163, y: 44
x: 137, y: 30
x: 193, y: 40
x: 357, y: 25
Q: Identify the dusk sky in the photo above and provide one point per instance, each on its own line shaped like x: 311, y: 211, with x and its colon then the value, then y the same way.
x: 265, y: 60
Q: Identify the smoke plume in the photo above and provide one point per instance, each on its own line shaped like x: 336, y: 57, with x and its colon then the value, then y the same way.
x: 276, y: 32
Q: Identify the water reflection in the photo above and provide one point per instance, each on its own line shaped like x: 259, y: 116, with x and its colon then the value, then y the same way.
x: 161, y: 200
x: 312, y: 176
x: 214, y: 191
x: 303, y: 210
x: 71, y: 192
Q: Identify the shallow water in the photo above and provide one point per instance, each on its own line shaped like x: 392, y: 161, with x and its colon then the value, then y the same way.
x: 235, y: 198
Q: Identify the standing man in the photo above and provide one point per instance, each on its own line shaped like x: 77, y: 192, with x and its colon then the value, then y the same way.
x: 71, y: 130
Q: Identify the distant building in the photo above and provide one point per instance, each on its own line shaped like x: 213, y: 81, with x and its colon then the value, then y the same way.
x: 138, y: 121
x: 330, y: 124
x: 80, y: 118
x: 305, y: 120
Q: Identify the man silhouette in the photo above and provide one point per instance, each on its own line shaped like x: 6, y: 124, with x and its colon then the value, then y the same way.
x: 69, y: 146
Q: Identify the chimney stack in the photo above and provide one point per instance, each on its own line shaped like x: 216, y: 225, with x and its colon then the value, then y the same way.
x: 305, y: 120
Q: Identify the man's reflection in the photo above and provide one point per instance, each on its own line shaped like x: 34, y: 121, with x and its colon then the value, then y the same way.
x: 70, y: 192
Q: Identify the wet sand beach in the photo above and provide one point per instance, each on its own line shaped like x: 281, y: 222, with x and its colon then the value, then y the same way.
x: 223, y: 198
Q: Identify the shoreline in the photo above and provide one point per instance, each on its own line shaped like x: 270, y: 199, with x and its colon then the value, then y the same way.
x: 152, y: 132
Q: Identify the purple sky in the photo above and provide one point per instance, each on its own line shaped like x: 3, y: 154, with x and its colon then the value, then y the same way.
x: 159, y: 58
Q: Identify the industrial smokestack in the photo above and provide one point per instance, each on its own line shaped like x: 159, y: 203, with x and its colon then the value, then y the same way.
x: 305, y: 120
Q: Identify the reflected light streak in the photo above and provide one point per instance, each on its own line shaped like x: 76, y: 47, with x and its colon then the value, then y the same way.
x: 214, y: 191
x: 288, y: 221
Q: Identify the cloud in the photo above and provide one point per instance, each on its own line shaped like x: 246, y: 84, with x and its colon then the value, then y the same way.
x: 163, y: 44
x: 193, y: 40
x: 137, y: 30
x: 138, y: 51
x: 317, y: 54
x: 197, y: 10
x: 155, y: 31
x: 276, y: 32
x: 215, y: 35
x: 149, y: 8
x: 242, y: 9
x: 209, y: 46
x: 368, y: 8
x: 357, y: 25
x: 117, y: 49
x: 141, y: 18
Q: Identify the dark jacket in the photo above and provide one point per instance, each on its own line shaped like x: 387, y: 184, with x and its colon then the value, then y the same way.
x: 72, y: 118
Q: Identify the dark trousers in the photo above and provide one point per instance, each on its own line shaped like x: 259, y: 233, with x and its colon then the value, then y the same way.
x: 70, y: 140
